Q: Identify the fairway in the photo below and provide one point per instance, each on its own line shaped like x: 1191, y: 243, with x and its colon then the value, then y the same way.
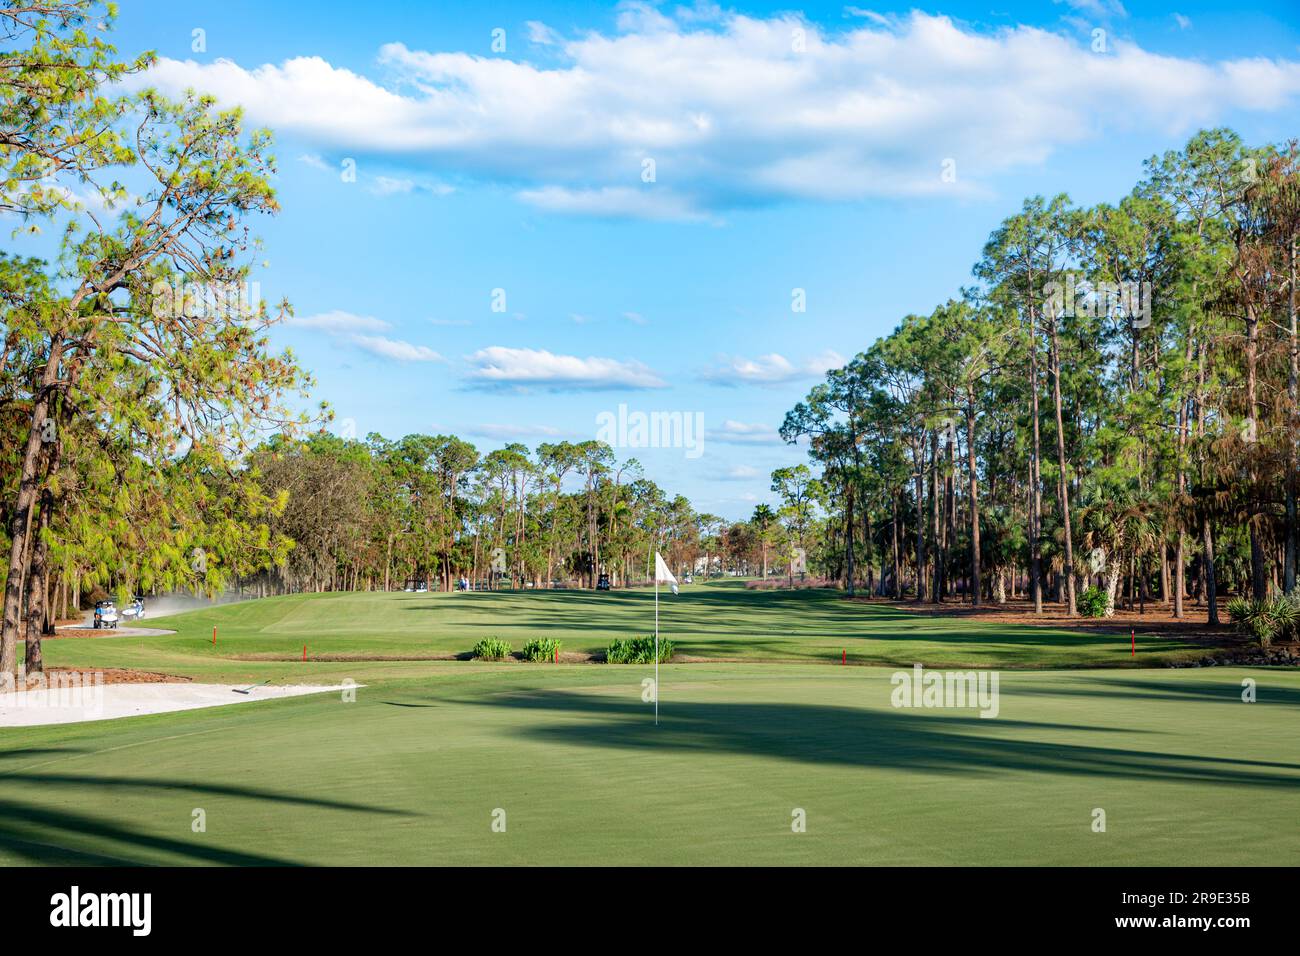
x: 413, y: 771
x: 719, y: 621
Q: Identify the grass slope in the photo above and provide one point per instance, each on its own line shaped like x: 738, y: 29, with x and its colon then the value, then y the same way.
x: 412, y: 771
x: 257, y: 639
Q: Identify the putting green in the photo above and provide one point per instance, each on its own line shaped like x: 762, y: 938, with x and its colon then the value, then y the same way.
x: 413, y: 771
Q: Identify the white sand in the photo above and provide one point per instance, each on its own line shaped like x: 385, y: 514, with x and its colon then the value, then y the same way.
x: 67, y: 705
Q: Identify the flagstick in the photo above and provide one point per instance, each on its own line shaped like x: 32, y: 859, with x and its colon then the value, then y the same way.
x: 656, y: 647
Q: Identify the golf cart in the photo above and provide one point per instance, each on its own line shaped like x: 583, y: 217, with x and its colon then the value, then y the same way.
x: 135, y: 610
x: 105, y: 614
x: 602, y: 583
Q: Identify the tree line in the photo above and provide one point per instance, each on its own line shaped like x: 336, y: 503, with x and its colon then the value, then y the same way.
x: 431, y: 510
x: 1112, y: 404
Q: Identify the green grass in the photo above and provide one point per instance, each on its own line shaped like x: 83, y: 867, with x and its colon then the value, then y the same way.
x: 719, y: 621
x: 412, y: 771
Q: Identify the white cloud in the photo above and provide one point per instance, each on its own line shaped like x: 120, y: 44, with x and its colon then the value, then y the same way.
x: 739, y: 473
x: 357, y: 330
x: 648, y: 202
x: 541, y: 34
x: 744, y: 433
x: 510, y: 432
x: 338, y: 322
x: 871, y: 15
x: 636, y: 318
x: 770, y: 369
x: 498, y: 366
x: 397, y: 349
x: 400, y: 186
x: 314, y: 161
x: 387, y: 186
x: 1184, y: 23
x: 1097, y: 8
x: 732, y: 114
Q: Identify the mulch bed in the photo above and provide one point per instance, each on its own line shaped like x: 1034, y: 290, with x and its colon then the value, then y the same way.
x: 1159, y: 618
x: 118, y: 675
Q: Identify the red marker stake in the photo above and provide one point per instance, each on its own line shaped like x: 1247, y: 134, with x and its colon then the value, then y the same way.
x: 214, y: 636
x: 844, y: 657
x: 304, y: 653
x: 557, y: 655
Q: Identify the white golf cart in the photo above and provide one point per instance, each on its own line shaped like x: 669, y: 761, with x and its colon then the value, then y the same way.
x: 134, y: 611
x: 105, y: 614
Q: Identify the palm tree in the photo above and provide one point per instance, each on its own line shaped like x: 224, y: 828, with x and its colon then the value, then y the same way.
x: 1115, y: 521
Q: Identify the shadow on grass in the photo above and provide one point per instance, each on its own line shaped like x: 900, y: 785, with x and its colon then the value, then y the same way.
x: 922, y: 741
x: 1227, y: 691
x: 41, y: 834
x: 40, y: 752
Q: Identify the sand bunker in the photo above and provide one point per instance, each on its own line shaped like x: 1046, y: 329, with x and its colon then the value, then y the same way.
x: 90, y: 701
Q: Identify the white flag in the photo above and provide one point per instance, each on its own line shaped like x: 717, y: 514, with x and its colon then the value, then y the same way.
x: 662, y: 574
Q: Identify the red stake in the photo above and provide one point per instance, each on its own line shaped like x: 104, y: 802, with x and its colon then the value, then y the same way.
x: 304, y: 653
x: 557, y: 655
x: 214, y: 635
x: 844, y: 657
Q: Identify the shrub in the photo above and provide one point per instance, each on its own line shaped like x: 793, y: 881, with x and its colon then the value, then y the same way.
x: 1275, y: 617
x: 541, y: 649
x: 1092, y: 602
x: 492, y: 649
x: 637, y: 650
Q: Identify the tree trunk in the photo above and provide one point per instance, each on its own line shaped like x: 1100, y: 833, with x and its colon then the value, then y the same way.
x: 1063, y: 484
x: 1258, y: 573
x: 20, y: 522
x: 1035, y: 483
x: 1292, y: 439
x: 1112, y: 586
x: 936, y: 578
x: 37, y: 585
x: 920, y: 524
x: 950, y: 501
x: 848, y: 534
x: 974, y: 492
x: 1211, y: 589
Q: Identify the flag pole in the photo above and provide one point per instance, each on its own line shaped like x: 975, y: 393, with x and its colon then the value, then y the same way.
x: 656, y: 646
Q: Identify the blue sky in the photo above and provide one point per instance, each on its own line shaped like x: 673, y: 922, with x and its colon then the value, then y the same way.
x: 775, y: 169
